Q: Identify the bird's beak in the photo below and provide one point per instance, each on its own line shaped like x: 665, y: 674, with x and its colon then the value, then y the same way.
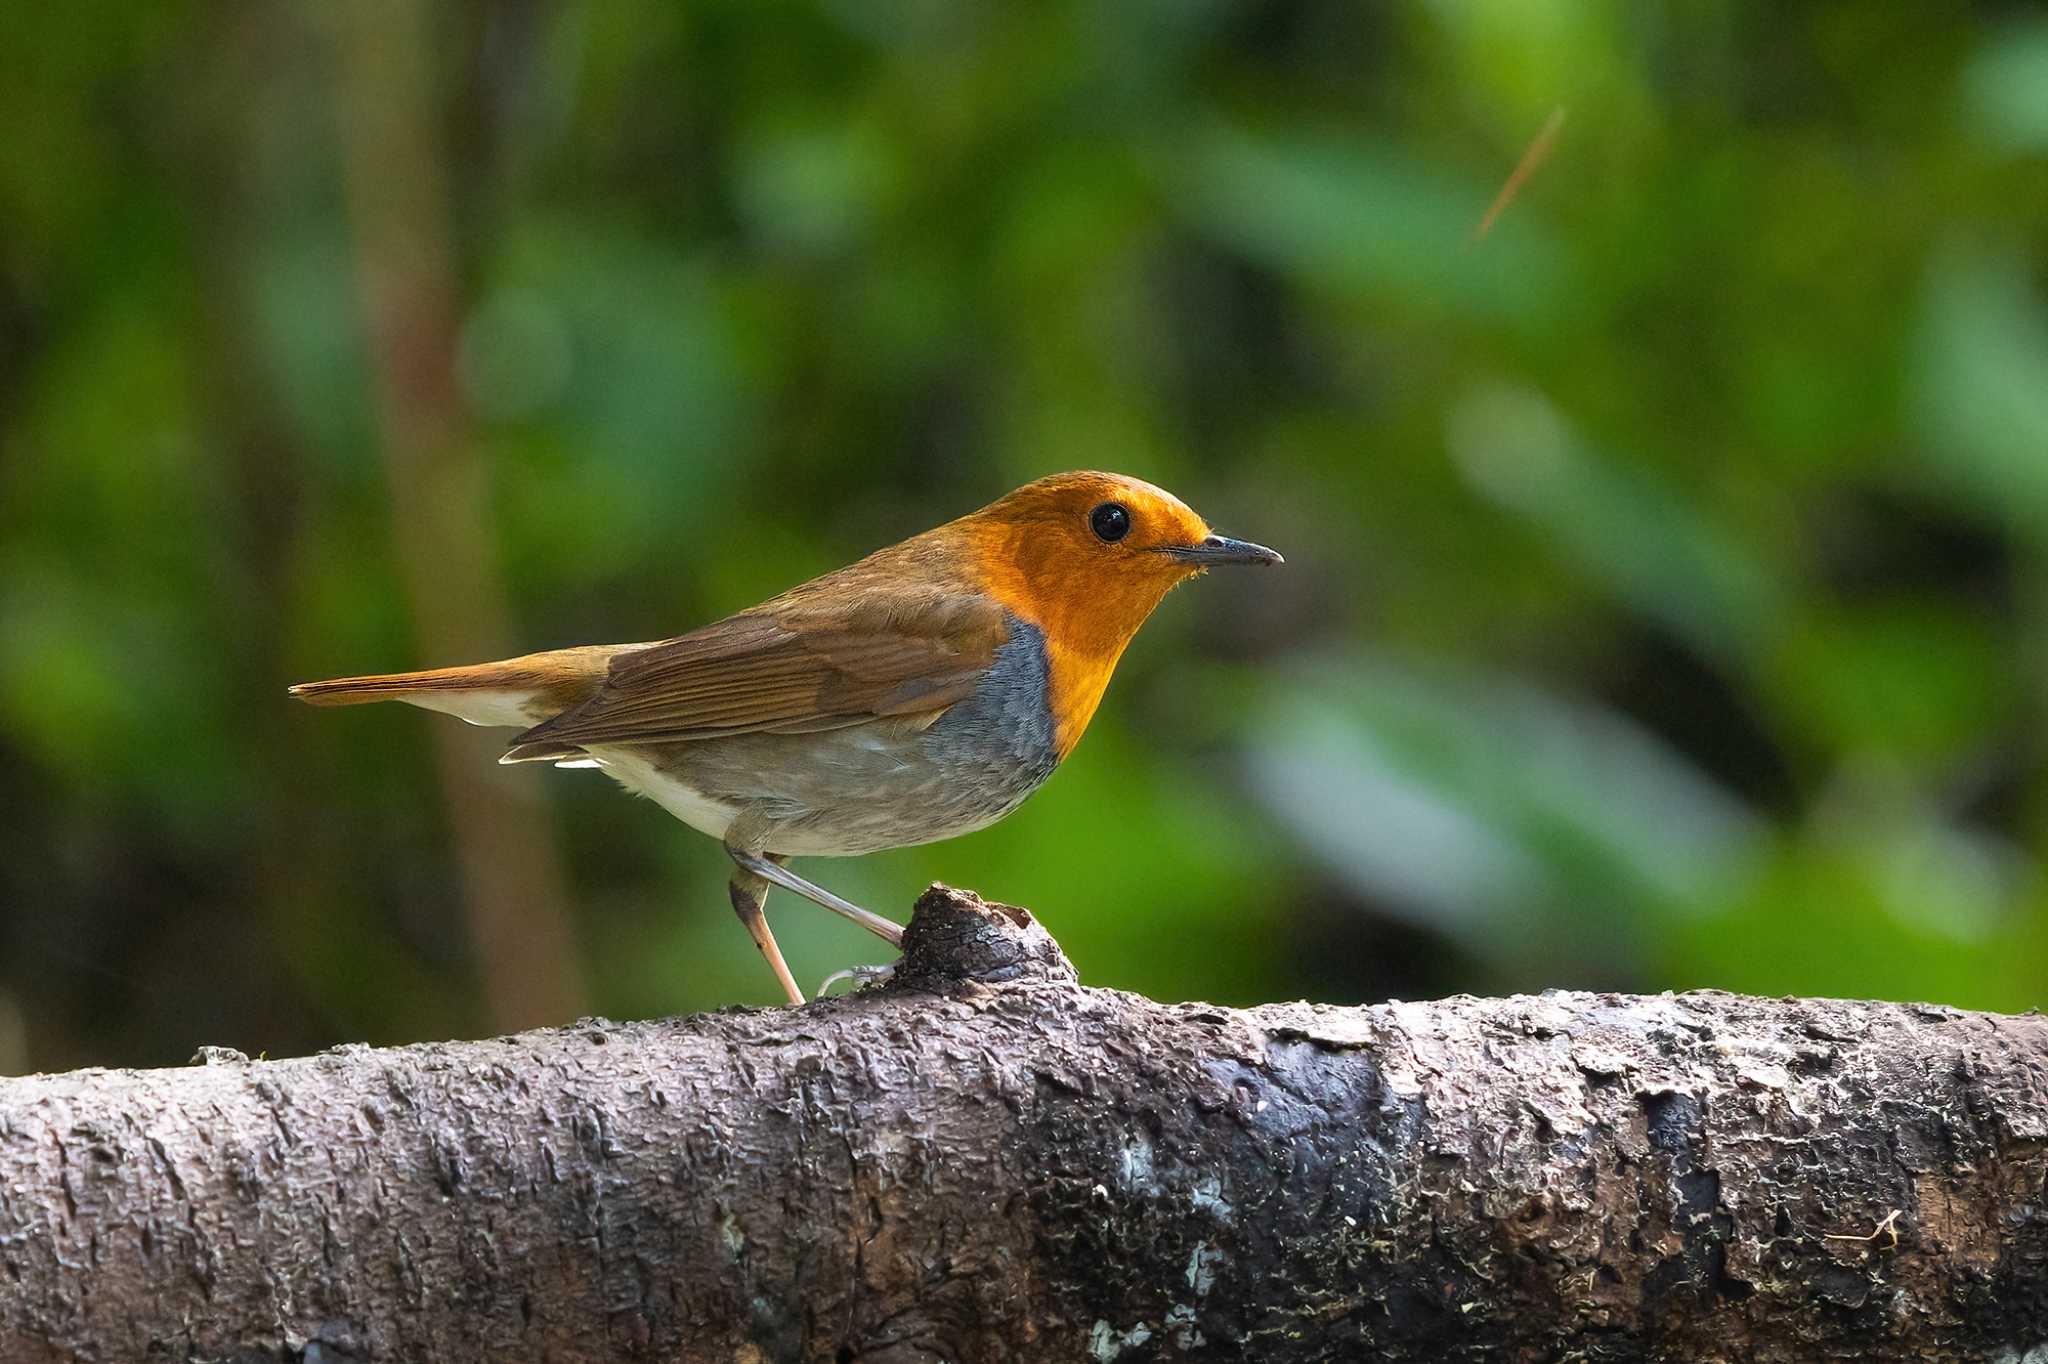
x: 1221, y: 549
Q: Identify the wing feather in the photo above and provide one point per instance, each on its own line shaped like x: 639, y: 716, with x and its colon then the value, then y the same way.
x: 794, y: 666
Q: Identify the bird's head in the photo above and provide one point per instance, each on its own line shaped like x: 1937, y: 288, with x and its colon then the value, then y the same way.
x: 1095, y: 531
x: 1086, y: 557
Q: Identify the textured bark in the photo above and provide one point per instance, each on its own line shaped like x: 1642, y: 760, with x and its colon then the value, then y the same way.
x: 985, y: 1161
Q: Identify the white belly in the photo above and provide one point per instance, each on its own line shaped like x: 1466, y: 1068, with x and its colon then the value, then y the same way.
x: 632, y: 771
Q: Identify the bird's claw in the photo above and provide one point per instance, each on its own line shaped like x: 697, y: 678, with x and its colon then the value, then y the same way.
x: 861, y: 976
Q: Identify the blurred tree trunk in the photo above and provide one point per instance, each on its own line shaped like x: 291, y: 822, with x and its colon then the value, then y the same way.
x: 986, y: 1161
x: 398, y: 202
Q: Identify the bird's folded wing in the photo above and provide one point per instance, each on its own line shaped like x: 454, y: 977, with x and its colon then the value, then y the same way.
x: 792, y: 668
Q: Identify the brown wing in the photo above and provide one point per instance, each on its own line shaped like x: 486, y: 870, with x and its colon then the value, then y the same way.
x: 791, y: 668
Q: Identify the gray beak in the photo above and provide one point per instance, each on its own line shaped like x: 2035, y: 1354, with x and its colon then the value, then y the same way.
x: 1221, y: 549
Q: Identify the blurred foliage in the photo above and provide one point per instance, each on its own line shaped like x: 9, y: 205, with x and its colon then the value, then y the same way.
x: 1667, y: 595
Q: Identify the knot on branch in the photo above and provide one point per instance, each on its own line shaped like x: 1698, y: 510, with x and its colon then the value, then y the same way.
x: 955, y: 936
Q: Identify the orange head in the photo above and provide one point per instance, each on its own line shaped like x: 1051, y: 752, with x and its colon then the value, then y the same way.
x: 1086, y: 557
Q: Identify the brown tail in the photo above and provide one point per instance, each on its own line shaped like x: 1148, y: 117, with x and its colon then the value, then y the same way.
x: 517, y: 692
x: 354, y: 691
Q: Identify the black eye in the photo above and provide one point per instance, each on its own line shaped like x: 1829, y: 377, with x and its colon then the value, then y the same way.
x: 1111, y: 522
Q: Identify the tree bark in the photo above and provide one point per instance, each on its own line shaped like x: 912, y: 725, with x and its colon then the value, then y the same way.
x: 985, y: 1161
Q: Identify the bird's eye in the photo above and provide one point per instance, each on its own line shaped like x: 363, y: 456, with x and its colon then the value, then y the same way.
x: 1111, y: 522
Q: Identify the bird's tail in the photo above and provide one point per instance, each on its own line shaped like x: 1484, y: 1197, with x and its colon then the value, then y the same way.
x: 517, y: 692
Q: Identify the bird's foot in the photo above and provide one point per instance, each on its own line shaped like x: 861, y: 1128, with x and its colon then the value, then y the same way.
x: 861, y: 976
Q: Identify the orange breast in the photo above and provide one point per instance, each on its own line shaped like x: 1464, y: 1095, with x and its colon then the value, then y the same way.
x: 1088, y: 619
x: 1078, y: 679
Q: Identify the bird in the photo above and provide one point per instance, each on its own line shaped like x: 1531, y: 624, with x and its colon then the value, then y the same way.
x: 918, y: 694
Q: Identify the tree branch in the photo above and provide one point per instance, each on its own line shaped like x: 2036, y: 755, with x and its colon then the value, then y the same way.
x: 986, y: 1161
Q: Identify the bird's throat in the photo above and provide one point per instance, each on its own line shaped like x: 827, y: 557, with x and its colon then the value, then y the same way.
x: 1077, y: 683
x: 1086, y: 631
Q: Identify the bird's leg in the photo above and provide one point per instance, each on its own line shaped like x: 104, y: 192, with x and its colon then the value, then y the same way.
x: 768, y: 868
x: 749, y: 895
x: 861, y: 976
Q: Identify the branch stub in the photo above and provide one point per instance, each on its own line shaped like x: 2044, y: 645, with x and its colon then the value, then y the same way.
x: 954, y: 936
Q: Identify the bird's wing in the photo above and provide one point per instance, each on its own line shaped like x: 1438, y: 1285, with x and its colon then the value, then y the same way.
x: 791, y: 668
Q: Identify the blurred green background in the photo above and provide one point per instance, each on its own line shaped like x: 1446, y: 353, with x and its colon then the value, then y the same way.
x: 1667, y: 587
